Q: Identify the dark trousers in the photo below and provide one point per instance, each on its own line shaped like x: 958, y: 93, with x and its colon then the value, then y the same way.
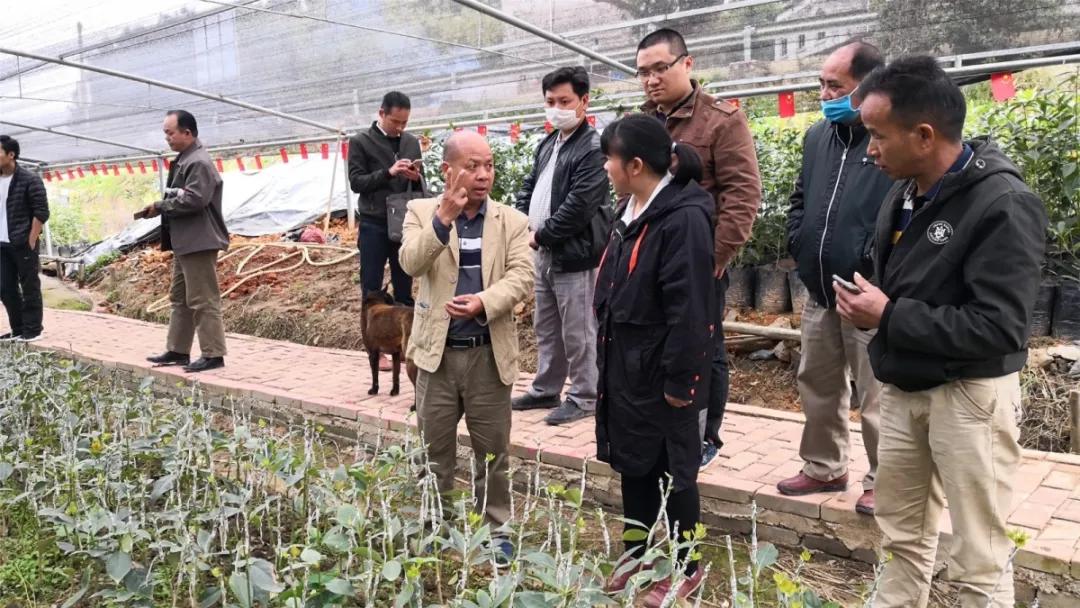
x: 641, y: 502
x: 20, y: 289
x: 718, y: 380
x: 376, y: 249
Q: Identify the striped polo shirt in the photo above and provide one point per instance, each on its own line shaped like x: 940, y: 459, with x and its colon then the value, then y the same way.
x: 470, y: 271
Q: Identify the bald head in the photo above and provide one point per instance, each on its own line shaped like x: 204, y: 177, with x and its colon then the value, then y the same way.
x: 464, y: 143
x: 845, y: 68
x: 468, y: 163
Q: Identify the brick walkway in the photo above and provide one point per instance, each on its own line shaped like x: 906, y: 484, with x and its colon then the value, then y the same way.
x: 761, y: 446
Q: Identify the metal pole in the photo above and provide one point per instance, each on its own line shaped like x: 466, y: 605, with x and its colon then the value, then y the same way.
x: 47, y: 233
x: 76, y: 136
x: 546, y: 35
x: 350, y: 201
x: 333, y: 180
x: 170, y: 86
x: 161, y: 174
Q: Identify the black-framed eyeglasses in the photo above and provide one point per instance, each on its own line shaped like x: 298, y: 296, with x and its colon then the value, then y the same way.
x: 658, y: 70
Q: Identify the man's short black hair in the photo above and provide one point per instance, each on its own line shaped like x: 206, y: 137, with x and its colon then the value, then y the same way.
x: 920, y: 92
x: 576, y: 76
x: 673, y: 39
x: 865, y: 59
x: 185, y: 121
x: 395, y: 99
x: 10, y: 145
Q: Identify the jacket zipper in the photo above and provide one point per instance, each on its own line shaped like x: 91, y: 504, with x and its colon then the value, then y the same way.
x: 828, y: 213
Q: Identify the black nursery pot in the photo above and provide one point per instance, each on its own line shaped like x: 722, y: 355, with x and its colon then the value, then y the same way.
x: 771, y: 295
x: 740, y: 291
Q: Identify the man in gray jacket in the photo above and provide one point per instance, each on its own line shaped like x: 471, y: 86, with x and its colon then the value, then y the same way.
x: 193, y: 228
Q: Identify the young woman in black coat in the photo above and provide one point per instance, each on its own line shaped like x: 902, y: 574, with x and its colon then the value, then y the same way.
x: 654, y: 297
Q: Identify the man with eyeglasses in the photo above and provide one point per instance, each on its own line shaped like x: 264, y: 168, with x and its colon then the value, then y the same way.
x: 720, y: 134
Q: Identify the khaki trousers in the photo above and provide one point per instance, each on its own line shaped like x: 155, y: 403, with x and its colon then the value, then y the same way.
x: 467, y: 384
x: 834, y: 352
x: 196, y: 305
x: 958, y: 442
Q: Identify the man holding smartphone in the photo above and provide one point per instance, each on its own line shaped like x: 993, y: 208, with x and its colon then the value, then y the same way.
x: 960, y: 241
x: 830, y: 232
x: 383, y: 160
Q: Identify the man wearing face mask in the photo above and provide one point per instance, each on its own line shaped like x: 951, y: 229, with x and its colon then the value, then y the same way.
x: 566, y: 199
x: 830, y: 232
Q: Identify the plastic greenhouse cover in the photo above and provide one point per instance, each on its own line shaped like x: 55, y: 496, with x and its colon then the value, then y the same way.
x: 274, y: 200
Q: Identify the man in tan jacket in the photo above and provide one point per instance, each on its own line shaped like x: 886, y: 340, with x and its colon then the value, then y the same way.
x: 720, y: 134
x: 472, y: 257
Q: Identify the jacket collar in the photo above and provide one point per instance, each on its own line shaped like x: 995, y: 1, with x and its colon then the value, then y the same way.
x: 683, y: 109
x: 195, y: 145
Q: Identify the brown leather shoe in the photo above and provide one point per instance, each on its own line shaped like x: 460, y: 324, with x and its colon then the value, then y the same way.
x: 865, y: 504
x: 656, y: 596
x: 618, y: 582
x: 801, y: 485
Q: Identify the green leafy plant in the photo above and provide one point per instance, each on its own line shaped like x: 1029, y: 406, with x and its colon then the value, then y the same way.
x: 1039, y: 130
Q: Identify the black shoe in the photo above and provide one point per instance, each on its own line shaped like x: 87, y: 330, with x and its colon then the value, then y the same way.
x: 170, y: 358
x: 29, y: 337
x: 203, y: 364
x: 567, y: 412
x: 8, y: 337
x: 530, y: 402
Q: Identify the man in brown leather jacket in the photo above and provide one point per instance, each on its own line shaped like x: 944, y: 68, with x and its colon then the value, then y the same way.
x: 720, y: 134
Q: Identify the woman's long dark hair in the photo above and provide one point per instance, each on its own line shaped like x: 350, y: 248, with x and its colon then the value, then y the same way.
x: 642, y: 136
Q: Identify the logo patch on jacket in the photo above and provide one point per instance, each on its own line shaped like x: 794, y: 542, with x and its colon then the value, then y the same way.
x: 939, y: 232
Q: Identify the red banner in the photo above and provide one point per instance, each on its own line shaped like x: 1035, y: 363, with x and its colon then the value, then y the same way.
x: 130, y: 170
x: 325, y: 149
x: 116, y: 169
x: 515, y: 132
x: 1003, y: 86
x: 80, y: 172
x: 258, y: 162
x: 284, y: 155
x: 93, y: 169
x: 104, y: 169
x: 239, y: 163
x: 71, y: 174
x: 59, y: 175
x: 48, y: 176
x: 303, y: 151
x: 220, y: 167
x: 142, y: 167
x: 345, y: 150
x: 482, y: 130
x: 153, y: 165
x: 786, y: 101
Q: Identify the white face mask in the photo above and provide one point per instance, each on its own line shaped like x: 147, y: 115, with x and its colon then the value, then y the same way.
x: 561, y: 119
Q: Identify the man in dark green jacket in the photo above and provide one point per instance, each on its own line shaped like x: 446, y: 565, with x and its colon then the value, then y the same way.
x: 193, y: 228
